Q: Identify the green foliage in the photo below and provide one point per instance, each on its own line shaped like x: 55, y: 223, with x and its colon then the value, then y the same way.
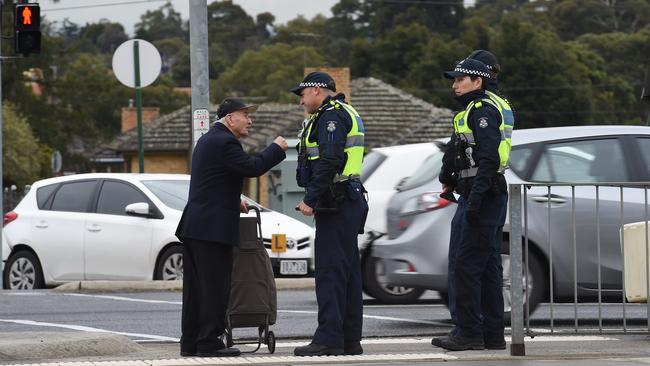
x: 554, y: 83
x: 162, y: 23
x: 268, y: 73
x: 231, y: 32
x: 24, y: 159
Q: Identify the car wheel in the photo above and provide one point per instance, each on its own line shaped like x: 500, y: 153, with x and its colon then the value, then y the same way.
x: 386, y: 293
x: 23, y: 272
x: 170, y: 264
x: 535, y: 288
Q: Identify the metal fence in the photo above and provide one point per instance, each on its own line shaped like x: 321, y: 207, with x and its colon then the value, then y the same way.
x: 576, y: 231
x: 12, y: 195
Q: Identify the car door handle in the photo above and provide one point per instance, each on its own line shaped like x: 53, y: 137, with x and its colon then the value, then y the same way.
x: 94, y: 228
x: 42, y: 225
x: 546, y: 199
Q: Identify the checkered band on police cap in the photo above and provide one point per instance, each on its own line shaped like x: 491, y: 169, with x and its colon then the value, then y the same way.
x: 469, y: 66
x: 315, y: 79
x: 472, y: 72
x: 307, y: 85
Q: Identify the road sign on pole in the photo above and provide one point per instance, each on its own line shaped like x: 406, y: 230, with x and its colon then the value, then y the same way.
x: 136, y: 64
x: 200, y: 124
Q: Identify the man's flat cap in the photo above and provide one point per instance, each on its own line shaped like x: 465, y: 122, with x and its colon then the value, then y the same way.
x: 230, y: 105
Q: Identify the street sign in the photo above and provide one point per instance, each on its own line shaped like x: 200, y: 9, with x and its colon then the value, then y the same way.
x: 200, y: 123
x: 149, y: 61
x: 57, y: 161
x: 136, y: 64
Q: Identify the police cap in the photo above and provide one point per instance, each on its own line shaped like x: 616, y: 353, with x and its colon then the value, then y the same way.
x: 486, y: 57
x: 468, y: 67
x: 316, y: 78
x: 230, y: 105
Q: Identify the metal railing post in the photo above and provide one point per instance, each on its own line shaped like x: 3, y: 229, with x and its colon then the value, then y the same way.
x: 517, y: 347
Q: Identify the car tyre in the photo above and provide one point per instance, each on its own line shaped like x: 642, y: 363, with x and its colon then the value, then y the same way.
x: 385, y: 293
x: 23, y: 271
x: 537, y: 284
x: 170, y: 264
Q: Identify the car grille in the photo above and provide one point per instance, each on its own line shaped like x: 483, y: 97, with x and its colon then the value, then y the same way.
x: 292, y: 243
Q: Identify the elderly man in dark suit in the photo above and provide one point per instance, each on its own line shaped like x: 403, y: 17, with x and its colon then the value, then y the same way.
x: 209, y: 227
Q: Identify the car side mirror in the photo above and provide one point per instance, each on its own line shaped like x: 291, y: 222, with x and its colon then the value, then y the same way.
x: 138, y: 209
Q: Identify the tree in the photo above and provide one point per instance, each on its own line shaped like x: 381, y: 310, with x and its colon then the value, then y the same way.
x: 269, y: 73
x: 165, y: 22
x: 555, y: 83
x: 24, y: 158
x: 231, y: 32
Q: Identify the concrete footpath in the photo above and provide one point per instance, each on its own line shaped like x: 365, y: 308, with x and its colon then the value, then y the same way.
x: 90, y: 349
x: 71, y: 348
x: 140, y: 286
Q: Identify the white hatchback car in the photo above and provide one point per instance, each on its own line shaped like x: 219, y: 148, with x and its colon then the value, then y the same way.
x: 111, y: 226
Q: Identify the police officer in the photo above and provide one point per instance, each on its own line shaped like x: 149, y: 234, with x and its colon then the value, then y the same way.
x: 473, y: 165
x: 493, y: 93
x: 329, y: 166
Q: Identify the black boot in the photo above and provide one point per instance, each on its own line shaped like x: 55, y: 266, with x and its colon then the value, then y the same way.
x: 460, y: 343
x: 352, y: 349
x: 495, y: 343
x: 313, y: 349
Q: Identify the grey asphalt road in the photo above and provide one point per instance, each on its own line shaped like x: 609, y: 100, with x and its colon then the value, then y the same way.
x: 151, y: 317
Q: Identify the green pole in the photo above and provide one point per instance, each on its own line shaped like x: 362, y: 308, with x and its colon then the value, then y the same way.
x: 138, y: 103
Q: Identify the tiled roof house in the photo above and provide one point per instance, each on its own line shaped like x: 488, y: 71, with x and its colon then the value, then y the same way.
x: 390, y: 115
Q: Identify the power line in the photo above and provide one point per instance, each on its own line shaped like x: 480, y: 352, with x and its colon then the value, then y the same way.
x: 101, y: 5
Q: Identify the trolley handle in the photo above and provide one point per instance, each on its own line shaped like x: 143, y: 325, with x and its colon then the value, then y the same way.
x: 321, y: 209
x: 259, y: 218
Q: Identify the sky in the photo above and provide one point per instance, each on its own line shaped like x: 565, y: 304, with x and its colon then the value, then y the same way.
x: 128, y: 12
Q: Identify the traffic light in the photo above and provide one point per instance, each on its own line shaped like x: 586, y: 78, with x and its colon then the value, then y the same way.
x: 27, y: 27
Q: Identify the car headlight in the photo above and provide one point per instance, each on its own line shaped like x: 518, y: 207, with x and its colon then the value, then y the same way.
x: 425, y: 202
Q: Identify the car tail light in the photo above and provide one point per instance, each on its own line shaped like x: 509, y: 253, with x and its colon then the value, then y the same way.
x: 425, y: 202
x: 9, y: 217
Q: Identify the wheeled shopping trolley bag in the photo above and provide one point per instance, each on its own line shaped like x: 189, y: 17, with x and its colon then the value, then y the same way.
x: 253, y: 296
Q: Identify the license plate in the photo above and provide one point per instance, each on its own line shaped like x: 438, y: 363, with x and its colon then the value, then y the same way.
x: 293, y: 267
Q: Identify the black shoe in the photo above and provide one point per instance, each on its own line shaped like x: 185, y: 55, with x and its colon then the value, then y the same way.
x: 188, y: 353
x: 224, y: 352
x: 460, y: 343
x: 352, y: 349
x: 437, y: 341
x: 313, y: 349
x: 495, y: 343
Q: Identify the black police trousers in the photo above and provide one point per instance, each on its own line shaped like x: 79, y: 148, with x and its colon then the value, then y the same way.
x: 207, y: 269
x: 338, y: 270
x: 475, y: 271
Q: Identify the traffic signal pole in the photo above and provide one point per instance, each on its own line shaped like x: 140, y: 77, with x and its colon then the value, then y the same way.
x: 200, y: 79
x: 2, y: 214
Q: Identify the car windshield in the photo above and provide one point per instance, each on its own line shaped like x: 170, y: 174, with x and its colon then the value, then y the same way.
x: 174, y: 193
x: 427, y: 172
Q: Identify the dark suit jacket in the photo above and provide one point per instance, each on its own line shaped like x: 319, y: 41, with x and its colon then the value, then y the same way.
x: 219, y: 165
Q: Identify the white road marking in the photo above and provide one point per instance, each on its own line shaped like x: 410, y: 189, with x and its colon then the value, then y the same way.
x: 88, y: 329
x: 132, y: 299
x: 269, y: 360
x: 427, y: 340
x: 310, y: 312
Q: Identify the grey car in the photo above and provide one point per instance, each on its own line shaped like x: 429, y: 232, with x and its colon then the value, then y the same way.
x: 414, y: 253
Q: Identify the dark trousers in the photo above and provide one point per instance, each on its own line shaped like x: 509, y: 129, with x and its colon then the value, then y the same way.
x: 207, y: 268
x: 338, y: 274
x: 475, y: 271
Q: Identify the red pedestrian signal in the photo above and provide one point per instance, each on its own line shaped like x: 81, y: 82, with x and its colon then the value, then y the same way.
x: 27, y: 28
